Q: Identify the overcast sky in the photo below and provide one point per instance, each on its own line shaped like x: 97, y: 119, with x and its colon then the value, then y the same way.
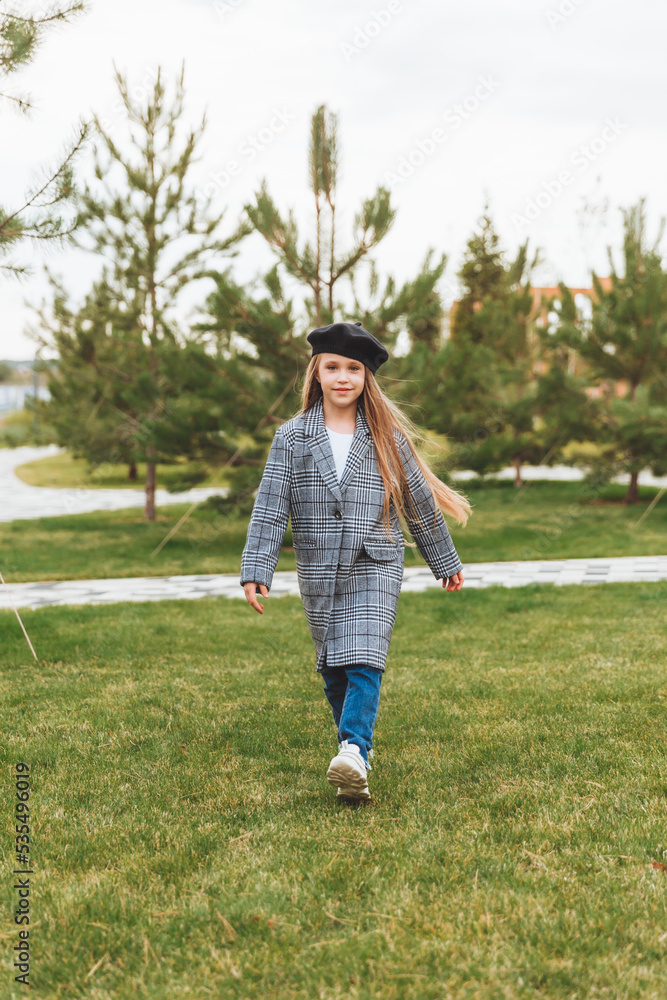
x: 543, y: 105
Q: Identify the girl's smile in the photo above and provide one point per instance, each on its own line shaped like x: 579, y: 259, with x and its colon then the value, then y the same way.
x: 340, y: 376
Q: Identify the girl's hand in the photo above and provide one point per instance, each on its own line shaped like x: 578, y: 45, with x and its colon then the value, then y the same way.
x: 454, y: 582
x: 251, y: 596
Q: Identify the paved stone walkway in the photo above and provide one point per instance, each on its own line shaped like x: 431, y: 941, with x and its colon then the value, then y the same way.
x: 629, y: 569
x: 19, y: 501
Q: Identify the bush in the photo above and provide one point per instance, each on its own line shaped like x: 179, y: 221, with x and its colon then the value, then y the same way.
x: 236, y: 504
x: 18, y: 428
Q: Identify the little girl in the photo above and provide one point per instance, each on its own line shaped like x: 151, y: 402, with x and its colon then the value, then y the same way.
x: 343, y: 468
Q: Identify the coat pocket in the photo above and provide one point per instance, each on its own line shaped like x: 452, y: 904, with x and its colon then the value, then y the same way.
x: 303, y: 540
x: 381, y: 551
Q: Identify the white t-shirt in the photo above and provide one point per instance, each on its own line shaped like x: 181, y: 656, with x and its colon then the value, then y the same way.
x: 340, y: 445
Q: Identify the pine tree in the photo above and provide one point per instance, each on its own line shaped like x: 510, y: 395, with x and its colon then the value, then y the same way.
x: 89, y: 404
x: 143, y: 227
x: 39, y: 218
x: 625, y: 347
x: 564, y: 408
x: 320, y: 265
x: 262, y: 327
x: 483, y: 276
x: 483, y: 379
x: 102, y: 390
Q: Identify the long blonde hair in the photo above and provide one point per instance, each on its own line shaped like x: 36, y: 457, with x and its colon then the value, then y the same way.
x: 383, y: 417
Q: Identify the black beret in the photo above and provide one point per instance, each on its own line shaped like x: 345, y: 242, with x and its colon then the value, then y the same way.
x: 351, y: 341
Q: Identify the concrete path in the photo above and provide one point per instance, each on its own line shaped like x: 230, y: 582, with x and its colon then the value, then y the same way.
x: 19, y: 501
x: 561, y: 473
x: 629, y: 569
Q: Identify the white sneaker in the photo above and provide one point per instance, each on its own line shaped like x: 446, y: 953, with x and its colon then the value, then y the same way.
x: 348, y: 771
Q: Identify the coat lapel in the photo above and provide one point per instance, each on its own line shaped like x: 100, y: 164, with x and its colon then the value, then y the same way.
x: 320, y: 446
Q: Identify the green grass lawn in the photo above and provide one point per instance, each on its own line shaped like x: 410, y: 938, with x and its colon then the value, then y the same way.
x: 187, y: 844
x: 543, y: 520
x: 64, y: 471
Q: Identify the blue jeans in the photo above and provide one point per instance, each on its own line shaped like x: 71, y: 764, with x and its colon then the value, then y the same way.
x: 354, y: 695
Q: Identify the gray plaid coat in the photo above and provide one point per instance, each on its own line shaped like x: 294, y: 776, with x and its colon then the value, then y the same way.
x: 349, y: 572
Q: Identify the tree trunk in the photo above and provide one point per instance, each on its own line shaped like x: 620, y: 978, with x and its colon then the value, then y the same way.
x: 149, y: 509
x: 132, y: 472
x: 632, y: 496
x: 332, y: 257
x: 318, y: 286
x: 516, y: 462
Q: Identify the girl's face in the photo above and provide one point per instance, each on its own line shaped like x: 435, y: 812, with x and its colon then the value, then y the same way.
x: 342, y: 379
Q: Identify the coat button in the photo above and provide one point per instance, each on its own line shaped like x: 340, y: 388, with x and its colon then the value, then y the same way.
x: 338, y: 514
